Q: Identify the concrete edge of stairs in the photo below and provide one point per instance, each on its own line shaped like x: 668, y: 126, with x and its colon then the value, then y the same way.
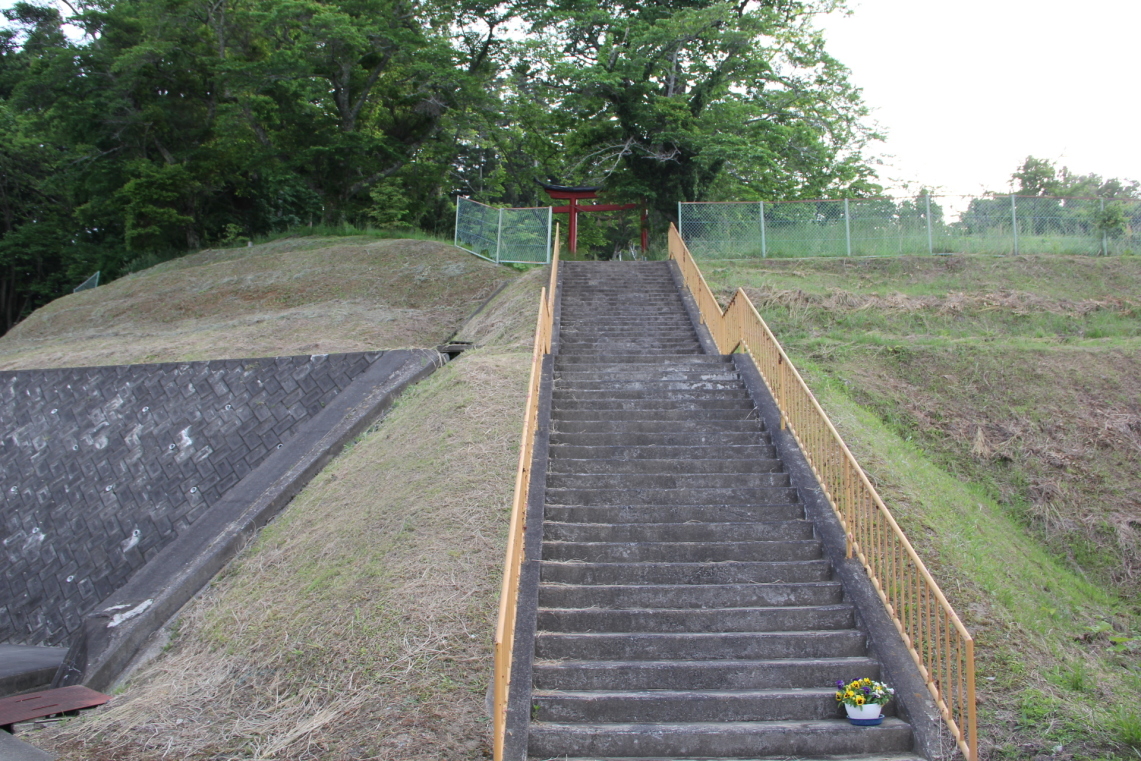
x: 913, y: 701
x: 527, y: 605
x: 704, y: 337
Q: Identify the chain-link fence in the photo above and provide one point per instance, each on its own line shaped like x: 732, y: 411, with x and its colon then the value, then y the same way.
x: 504, y: 236
x: 91, y: 282
x: 919, y: 225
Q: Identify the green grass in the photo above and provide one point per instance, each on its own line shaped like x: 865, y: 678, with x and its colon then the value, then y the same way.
x: 996, y: 403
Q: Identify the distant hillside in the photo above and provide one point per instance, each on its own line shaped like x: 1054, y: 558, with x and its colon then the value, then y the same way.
x: 292, y: 296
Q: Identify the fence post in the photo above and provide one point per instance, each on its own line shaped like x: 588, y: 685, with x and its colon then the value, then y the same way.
x: 456, y: 237
x: 550, y: 218
x: 847, y: 228
x: 764, y: 251
x: 498, y: 236
x: 1104, y: 242
x: 1014, y: 221
x: 930, y: 245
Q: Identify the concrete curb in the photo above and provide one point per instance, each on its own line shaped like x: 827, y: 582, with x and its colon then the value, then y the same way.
x: 913, y: 702
x: 114, y: 632
x: 527, y: 613
x: 27, y: 667
x: 704, y: 337
x: 12, y: 749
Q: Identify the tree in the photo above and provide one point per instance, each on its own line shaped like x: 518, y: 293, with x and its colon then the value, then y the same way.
x: 691, y: 99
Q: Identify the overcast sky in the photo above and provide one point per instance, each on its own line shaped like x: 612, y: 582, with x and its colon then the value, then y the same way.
x: 965, y: 90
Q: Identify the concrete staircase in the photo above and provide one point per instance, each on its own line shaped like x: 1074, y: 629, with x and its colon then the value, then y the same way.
x: 685, y: 607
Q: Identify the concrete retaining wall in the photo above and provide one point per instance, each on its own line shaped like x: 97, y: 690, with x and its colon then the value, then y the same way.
x: 103, y: 467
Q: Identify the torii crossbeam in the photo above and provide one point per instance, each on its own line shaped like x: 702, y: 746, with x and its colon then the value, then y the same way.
x: 574, y: 195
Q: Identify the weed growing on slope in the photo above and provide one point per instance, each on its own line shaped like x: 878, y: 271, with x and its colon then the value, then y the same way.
x: 996, y: 405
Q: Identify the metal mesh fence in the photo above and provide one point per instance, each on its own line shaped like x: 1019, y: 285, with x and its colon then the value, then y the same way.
x: 91, y: 282
x: 919, y: 225
x: 504, y: 236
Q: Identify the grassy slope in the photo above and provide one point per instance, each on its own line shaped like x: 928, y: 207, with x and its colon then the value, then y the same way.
x: 997, y: 404
x: 358, y: 625
x: 291, y: 296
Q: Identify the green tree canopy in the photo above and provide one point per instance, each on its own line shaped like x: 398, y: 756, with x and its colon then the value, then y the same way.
x: 137, y: 129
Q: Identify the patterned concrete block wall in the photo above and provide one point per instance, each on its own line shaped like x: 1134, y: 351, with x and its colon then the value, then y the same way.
x: 101, y: 467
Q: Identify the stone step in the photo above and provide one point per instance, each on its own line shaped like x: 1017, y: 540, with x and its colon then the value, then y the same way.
x: 649, y: 373
x: 728, y: 674
x: 827, y: 738
x: 729, y: 572
x: 636, y: 338
x: 626, y: 361
x: 579, y: 292
x: 560, y: 397
x: 648, y: 406
x: 674, y: 438
x: 675, y: 479
x: 798, y: 618
x: 692, y: 531
x: 660, y: 416
x: 696, y: 496
x: 734, y: 452
x: 659, y: 646
x: 664, y: 309
x: 858, y: 757
x: 616, y: 514
x: 805, y: 704
x: 646, y: 315
x: 632, y: 333
x: 661, y: 345
x: 697, y: 423
x: 733, y: 468
x: 681, y: 552
x: 686, y: 596
x: 652, y: 386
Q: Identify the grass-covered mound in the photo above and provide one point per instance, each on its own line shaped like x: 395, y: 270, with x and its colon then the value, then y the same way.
x: 286, y: 297
x: 358, y: 625
x: 996, y: 403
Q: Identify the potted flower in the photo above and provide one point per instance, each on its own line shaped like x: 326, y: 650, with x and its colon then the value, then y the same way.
x: 863, y: 699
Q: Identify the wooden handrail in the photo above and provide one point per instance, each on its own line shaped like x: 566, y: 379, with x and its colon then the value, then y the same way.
x: 940, y: 645
x: 513, y: 563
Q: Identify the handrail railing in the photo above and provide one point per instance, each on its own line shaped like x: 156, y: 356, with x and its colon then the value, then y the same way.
x: 509, y: 594
x: 937, y: 640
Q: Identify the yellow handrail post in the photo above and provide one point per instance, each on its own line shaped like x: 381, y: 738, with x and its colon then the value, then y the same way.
x: 943, y: 649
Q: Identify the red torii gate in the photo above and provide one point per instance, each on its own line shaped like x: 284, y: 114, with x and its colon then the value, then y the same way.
x: 574, y: 195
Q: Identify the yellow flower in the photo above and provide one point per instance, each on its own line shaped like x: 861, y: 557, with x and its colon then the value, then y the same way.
x: 859, y: 700
x: 839, y: 696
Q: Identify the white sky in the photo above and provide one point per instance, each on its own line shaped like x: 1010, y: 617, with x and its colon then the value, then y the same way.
x: 965, y: 90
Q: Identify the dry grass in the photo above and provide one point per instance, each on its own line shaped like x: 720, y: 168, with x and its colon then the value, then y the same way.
x: 295, y: 296
x: 358, y: 625
x: 953, y: 303
x: 1055, y: 432
x: 508, y: 322
x: 996, y: 405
